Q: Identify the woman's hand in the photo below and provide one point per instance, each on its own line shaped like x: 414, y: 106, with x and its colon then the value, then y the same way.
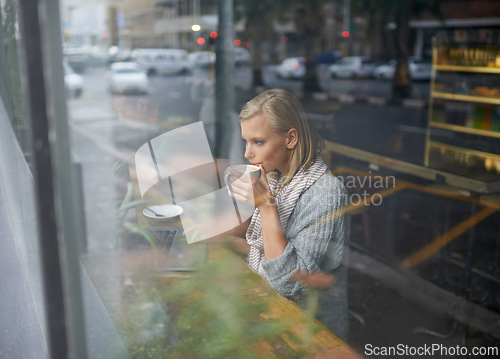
x: 250, y: 190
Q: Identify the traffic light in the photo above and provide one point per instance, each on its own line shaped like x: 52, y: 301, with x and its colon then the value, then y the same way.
x: 212, y: 37
x: 345, y: 34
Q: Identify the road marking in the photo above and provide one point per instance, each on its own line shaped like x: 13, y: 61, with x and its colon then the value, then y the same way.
x: 347, y: 98
x: 324, y: 107
x: 449, y: 236
x: 413, y: 103
x: 320, y: 117
x: 321, y: 96
x: 381, y: 101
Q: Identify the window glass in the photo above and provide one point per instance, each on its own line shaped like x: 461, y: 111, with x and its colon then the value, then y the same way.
x: 22, y: 310
x: 411, y: 252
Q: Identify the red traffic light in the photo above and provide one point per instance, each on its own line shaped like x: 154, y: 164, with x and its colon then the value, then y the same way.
x: 345, y: 34
x: 200, y: 41
x: 213, y: 35
x: 237, y: 42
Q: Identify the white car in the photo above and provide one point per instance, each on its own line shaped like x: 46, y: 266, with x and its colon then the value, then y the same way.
x: 72, y: 81
x: 127, y: 77
x: 162, y: 61
x: 201, y: 59
x: 418, y: 69
x: 352, y: 66
x: 291, y: 68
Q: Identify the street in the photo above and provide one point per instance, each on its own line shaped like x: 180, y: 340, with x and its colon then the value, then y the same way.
x: 361, y: 86
x: 174, y: 92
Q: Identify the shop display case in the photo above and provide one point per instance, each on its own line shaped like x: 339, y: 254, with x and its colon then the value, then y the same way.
x: 463, y: 135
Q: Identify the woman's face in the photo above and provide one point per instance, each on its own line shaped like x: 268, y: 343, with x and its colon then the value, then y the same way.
x: 264, y: 145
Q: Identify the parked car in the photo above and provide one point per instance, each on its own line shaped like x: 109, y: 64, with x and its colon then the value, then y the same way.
x: 291, y: 68
x: 241, y: 56
x: 328, y: 57
x: 116, y: 54
x: 162, y: 61
x: 72, y: 81
x: 352, y: 66
x: 419, y: 69
x: 201, y: 59
x: 128, y: 77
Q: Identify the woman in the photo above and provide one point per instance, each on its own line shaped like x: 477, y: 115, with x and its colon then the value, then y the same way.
x: 297, y: 226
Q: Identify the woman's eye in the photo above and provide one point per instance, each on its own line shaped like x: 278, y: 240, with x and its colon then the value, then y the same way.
x: 259, y: 142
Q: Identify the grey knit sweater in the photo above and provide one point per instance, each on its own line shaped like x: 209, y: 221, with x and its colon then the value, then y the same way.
x: 316, y: 243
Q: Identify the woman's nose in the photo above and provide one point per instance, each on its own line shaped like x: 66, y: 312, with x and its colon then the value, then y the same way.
x: 248, y: 154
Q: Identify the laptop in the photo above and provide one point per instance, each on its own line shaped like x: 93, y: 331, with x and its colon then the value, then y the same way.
x: 180, y: 256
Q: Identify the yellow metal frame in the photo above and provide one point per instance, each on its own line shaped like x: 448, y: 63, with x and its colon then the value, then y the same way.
x: 466, y: 98
x: 478, y: 69
x: 465, y: 150
x: 457, y: 128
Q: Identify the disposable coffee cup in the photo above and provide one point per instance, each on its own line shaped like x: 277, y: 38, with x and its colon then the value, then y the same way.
x: 251, y: 170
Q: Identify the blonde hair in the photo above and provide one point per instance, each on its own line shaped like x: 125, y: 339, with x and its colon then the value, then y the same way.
x: 284, y: 111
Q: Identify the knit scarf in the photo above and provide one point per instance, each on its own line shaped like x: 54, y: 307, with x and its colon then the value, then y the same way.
x: 286, y: 198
